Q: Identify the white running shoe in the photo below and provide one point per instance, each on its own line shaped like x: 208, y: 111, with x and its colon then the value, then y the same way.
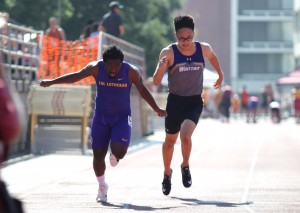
x: 102, y: 193
x: 113, y: 160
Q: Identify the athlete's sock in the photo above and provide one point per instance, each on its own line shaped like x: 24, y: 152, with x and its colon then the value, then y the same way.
x: 101, y: 180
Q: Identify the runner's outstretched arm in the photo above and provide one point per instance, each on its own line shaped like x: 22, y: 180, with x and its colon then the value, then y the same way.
x: 89, y: 70
x: 137, y: 80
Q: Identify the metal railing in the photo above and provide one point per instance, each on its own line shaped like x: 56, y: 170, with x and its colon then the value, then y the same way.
x: 267, y: 13
x: 20, y: 47
x: 20, y: 50
x: 267, y: 44
x: 132, y: 53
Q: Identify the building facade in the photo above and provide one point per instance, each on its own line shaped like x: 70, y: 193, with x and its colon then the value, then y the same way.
x: 252, y: 38
x: 297, y: 32
x: 261, y: 42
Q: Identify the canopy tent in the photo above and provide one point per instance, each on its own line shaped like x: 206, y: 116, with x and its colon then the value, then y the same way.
x: 209, y: 77
x: 292, y: 79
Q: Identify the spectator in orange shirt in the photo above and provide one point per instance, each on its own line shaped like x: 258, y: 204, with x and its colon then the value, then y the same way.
x: 55, y: 30
x: 244, y: 101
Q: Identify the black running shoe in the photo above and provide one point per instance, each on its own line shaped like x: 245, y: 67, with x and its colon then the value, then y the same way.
x: 166, y: 184
x: 186, y: 176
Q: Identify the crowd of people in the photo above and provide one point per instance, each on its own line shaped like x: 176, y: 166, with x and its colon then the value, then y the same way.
x: 228, y: 104
x: 110, y: 23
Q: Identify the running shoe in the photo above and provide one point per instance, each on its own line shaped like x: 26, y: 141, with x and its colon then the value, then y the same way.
x: 113, y: 160
x: 166, y: 184
x: 186, y: 176
x: 102, y: 193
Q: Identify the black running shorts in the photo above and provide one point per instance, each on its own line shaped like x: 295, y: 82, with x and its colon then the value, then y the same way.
x: 180, y: 108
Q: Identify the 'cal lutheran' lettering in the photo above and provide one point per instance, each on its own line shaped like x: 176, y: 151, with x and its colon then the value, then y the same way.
x: 112, y: 84
x: 116, y: 84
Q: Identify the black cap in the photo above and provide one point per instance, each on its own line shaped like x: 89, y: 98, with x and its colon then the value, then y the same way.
x: 115, y: 4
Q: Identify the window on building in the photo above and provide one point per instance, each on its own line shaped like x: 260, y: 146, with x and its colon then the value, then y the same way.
x: 274, y: 31
x: 252, y: 63
x: 297, y: 20
x: 288, y: 62
x: 274, y: 63
x: 252, y: 31
x: 287, y: 4
x: 264, y: 63
x: 274, y: 4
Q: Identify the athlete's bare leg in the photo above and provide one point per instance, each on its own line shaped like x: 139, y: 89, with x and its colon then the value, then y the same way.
x: 118, y: 150
x: 187, y: 129
x: 167, y: 151
x: 99, y: 161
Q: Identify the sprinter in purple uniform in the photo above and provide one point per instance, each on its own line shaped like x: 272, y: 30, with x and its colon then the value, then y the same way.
x: 111, y: 125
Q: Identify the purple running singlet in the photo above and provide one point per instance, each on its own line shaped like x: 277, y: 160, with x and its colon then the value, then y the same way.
x: 112, y: 118
x: 185, y: 76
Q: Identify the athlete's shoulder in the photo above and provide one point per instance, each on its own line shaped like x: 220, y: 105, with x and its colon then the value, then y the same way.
x: 204, y: 44
x: 168, y: 48
x: 206, y: 49
x: 168, y: 51
x: 132, y: 67
x: 95, y: 63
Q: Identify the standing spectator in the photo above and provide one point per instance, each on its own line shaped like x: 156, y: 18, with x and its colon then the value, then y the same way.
x: 244, y: 101
x: 275, y: 111
x: 94, y: 29
x: 235, y: 105
x: 296, y: 98
x: 267, y: 96
x: 112, y: 22
x: 4, y: 17
x: 87, y: 30
x: 264, y: 99
x: 55, y: 30
x: 253, y: 105
x: 217, y: 100
x: 225, y: 103
x: 3, y: 28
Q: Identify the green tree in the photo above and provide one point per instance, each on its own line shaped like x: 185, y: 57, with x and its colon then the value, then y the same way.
x: 149, y: 25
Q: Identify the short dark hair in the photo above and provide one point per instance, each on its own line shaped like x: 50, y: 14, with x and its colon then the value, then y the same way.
x: 112, y: 52
x: 183, y: 21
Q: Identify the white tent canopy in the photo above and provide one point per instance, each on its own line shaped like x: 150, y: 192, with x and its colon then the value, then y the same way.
x: 208, y: 79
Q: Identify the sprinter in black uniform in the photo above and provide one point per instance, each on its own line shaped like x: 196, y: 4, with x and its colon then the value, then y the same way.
x: 184, y: 62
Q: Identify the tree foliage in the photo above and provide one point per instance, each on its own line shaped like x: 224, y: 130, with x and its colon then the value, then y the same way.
x: 148, y: 23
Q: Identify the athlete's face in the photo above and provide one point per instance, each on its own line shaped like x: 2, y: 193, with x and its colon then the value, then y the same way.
x: 113, y: 67
x: 185, y: 38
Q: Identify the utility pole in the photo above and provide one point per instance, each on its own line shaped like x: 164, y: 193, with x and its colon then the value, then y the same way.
x: 59, y: 12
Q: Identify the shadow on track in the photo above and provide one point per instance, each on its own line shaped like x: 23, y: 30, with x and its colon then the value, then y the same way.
x: 136, y: 207
x: 214, y: 203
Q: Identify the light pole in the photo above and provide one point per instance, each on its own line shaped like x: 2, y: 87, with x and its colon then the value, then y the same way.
x: 59, y: 11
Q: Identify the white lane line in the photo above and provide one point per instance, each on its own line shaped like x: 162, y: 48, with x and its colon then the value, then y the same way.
x: 249, y: 209
x: 250, y: 177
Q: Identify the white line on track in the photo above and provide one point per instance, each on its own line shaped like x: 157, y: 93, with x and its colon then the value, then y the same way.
x: 250, y: 177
